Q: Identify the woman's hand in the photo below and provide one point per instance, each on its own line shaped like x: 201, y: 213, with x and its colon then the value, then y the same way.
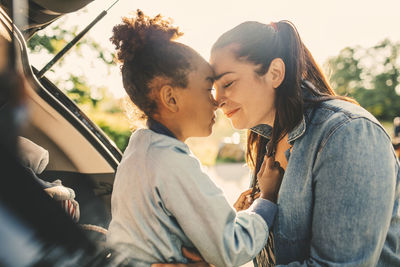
x: 191, y: 255
x: 270, y: 178
x: 245, y: 200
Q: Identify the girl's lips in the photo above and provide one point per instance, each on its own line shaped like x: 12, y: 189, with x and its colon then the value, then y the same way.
x: 230, y: 113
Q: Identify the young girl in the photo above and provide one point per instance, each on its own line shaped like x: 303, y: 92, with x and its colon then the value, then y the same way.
x: 162, y: 200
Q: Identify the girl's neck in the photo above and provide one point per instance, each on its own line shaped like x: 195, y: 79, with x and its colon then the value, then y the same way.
x: 172, y: 126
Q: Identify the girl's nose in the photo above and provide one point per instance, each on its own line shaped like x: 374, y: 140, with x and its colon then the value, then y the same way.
x: 219, y: 97
x: 214, y: 103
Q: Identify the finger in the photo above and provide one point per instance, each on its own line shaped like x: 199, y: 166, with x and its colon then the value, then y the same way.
x: 247, y: 192
x: 249, y: 199
x: 270, y: 162
x: 244, y: 194
x: 191, y: 254
x: 238, y: 206
x: 240, y: 199
x: 277, y: 164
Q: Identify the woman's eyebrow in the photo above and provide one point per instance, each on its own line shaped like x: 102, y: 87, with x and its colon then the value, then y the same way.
x: 217, y: 77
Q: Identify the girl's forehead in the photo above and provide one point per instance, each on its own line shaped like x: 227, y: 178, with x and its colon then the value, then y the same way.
x: 204, y: 67
x: 202, y: 71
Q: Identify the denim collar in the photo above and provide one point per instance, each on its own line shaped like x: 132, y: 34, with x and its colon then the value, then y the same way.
x: 159, y: 128
x: 265, y: 130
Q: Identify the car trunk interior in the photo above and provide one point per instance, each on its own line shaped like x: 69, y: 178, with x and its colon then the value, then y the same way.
x: 79, y: 153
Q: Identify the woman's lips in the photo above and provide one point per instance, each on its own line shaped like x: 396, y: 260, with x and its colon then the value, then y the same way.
x: 230, y: 113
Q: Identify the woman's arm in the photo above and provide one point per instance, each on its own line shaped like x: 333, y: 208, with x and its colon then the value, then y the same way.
x: 354, y: 191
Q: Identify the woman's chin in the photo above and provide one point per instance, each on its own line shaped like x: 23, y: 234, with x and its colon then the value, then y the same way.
x: 238, y: 125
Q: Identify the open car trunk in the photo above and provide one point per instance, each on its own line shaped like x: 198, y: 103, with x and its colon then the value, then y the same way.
x: 40, y: 13
x: 80, y: 154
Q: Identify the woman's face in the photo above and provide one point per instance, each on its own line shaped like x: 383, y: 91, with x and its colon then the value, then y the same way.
x: 245, y: 97
x: 199, y: 106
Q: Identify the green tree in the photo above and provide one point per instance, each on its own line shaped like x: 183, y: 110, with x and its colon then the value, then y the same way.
x: 371, y: 76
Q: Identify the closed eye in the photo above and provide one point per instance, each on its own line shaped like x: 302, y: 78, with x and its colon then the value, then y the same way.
x: 228, y: 84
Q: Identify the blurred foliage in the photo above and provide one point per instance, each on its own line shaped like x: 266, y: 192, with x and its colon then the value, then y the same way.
x: 120, y: 138
x: 371, y: 76
x: 95, y: 101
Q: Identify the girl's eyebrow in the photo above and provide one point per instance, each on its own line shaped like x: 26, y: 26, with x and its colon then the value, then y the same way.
x: 217, y: 77
x: 210, y: 79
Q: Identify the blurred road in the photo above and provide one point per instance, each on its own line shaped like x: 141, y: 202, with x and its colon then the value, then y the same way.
x: 233, y: 178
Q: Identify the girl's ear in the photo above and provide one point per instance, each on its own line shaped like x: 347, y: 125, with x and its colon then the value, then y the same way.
x: 169, y: 98
x: 277, y: 72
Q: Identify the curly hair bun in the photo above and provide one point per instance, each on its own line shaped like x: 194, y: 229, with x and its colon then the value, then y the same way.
x: 135, y: 34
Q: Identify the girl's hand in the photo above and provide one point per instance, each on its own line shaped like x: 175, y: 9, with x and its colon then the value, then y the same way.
x: 270, y: 178
x: 245, y: 200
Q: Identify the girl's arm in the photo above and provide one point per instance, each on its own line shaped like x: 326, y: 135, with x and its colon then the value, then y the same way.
x: 222, y: 236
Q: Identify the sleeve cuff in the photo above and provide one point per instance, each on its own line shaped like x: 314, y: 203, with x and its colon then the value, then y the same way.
x: 266, y: 209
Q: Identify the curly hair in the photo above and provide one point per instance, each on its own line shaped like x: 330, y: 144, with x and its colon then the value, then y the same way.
x: 148, y: 54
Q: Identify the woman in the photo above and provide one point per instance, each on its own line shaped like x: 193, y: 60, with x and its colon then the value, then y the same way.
x: 338, y: 204
x: 161, y: 199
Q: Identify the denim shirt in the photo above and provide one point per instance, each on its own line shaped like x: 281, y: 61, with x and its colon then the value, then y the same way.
x: 162, y: 200
x: 338, y: 204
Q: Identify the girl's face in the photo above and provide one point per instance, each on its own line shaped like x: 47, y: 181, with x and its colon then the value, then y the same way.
x: 198, y: 106
x: 245, y: 97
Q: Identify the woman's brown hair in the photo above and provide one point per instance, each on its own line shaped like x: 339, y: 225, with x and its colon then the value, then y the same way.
x: 259, y: 44
x: 149, y: 55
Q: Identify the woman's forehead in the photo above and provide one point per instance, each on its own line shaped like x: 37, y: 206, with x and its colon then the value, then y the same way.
x: 223, y: 60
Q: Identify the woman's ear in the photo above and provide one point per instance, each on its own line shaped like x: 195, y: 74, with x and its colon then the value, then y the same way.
x: 168, y: 98
x: 277, y: 72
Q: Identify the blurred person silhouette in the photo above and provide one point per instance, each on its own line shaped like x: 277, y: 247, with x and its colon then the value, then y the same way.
x: 396, y: 135
x: 396, y: 127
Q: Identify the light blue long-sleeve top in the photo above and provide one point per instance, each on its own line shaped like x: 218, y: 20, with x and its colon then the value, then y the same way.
x: 162, y: 200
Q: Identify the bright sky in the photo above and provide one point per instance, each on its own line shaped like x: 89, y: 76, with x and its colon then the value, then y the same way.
x: 325, y: 26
